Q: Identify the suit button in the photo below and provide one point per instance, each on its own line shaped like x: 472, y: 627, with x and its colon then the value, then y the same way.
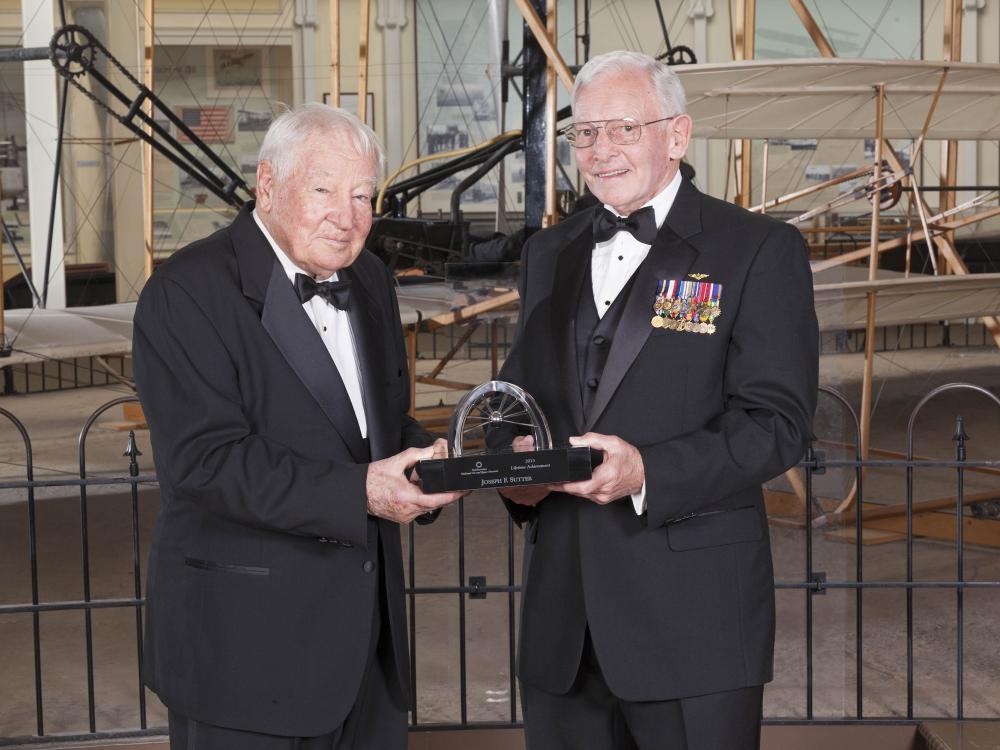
x: 599, y: 340
x: 368, y: 567
x: 592, y: 383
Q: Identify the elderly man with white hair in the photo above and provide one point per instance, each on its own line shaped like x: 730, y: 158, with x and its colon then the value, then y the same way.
x: 271, y: 368
x: 675, y: 333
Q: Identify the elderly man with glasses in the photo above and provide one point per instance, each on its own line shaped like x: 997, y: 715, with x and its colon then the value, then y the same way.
x: 675, y: 333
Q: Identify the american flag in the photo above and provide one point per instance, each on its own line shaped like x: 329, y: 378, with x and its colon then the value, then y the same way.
x: 211, y: 124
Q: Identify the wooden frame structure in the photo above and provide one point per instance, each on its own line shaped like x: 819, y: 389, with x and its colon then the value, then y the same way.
x: 147, y: 149
x: 932, y: 232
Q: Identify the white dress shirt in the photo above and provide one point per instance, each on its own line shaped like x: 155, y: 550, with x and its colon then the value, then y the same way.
x: 612, y: 264
x: 613, y: 261
x: 334, y: 327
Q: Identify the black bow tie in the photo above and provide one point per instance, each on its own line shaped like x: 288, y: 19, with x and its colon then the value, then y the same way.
x: 640, y: 224
x: 337, y: 293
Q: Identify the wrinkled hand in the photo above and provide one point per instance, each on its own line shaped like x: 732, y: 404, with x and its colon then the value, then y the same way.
x: 394, y: 497
x: 620, y: 474
x: 531, y: 494
x: 440, y: 448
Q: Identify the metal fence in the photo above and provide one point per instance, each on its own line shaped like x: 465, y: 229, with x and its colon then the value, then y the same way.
x: 65, y: 374
x: 940, y: 334
x: 479, y: 344
x: 468, y: 585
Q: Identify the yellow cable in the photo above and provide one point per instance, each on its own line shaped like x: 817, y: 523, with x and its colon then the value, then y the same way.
x: 434, y: 157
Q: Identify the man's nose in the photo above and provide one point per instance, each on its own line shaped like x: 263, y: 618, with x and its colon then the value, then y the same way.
x: 339, y: 212
x: 603, y: 145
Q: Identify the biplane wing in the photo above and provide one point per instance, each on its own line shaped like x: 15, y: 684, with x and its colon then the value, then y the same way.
x: 102, y: 330
x: 842, y: 304
x: 38, y: 335
x: 833, y: 98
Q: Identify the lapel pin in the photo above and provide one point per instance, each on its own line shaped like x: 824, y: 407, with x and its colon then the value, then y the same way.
x: 698, y: 276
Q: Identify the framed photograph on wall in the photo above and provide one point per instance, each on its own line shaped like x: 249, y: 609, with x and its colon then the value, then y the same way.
x: 237, y: 66
x: 349, y: 101
x: 253, y: 120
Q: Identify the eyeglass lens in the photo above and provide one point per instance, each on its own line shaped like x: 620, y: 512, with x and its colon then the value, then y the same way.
x: 622, y: 132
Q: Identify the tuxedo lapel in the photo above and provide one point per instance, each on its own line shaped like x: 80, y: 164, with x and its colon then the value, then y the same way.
x: 570, y: 283
x: 300, y: 344
x: 265, y: 284
x: 254, y: 256
x: 368, y: 337
x: 670, y: 257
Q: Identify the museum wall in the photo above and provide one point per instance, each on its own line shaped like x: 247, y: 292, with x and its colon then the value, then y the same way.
x: 433, y: 79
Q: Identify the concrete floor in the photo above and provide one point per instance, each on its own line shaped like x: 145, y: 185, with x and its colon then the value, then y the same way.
x: 53, y: 421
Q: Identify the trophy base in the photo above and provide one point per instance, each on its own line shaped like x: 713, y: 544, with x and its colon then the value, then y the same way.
x: 508, y: 469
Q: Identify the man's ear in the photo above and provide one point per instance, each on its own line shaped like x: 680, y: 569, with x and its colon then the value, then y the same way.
x: 265, y: 186
x: 680, y: 128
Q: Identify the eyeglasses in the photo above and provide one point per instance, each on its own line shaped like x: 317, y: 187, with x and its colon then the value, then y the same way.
x: 621, y: 132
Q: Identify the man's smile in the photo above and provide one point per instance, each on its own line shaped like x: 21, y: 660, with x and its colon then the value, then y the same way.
x: 611, y: 173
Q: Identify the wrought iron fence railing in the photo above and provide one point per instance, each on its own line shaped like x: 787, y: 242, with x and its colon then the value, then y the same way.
x: 468, y: 585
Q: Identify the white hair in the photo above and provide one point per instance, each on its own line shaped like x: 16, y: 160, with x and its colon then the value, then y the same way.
x: 291, y: 129
x: 665, y: 82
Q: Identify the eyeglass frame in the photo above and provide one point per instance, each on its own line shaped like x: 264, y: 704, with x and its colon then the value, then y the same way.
x: 571, y: 137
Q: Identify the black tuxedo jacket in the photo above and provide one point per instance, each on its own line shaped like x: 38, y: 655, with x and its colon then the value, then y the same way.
x: 680, y: 600
x: 264, y: 572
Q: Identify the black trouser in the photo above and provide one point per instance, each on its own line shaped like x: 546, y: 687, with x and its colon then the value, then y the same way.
x: 377, y: 721
x: 590, y: 717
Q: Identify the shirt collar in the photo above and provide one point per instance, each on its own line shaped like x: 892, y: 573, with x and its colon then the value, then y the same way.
x: 661, y: 202
x: 286, y: 263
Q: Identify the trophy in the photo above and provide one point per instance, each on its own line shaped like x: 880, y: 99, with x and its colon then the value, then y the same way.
x: 498, y: 405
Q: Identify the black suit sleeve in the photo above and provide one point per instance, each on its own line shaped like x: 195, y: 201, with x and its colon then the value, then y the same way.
x: 770, y: 384
x: 206, y: 449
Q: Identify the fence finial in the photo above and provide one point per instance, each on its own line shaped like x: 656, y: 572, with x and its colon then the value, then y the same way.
x: 133, y: 452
